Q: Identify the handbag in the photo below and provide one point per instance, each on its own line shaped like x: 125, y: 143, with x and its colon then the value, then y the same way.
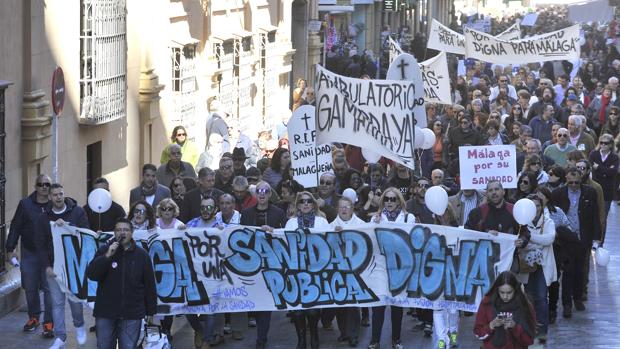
x: 154, y: 338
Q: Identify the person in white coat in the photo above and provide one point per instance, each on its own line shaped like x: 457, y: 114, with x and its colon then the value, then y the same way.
x: 308, y: 216
x: 349, y: 320
x: 391, y: 210
x: 539, y: 251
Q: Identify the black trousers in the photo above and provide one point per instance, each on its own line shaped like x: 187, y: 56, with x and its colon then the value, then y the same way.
x: 349, y: 322
x: 571, y: 271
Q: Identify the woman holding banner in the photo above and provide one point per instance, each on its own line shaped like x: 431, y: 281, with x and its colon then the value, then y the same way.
x: 307, y: 216
x: 505, y: 318
x: 391, y: 210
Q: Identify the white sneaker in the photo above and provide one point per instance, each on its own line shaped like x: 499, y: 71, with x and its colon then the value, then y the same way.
x: 80, y: 335
x: 58, y: 344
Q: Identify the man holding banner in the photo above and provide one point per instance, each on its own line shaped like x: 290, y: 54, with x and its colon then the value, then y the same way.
x: 125, y: 289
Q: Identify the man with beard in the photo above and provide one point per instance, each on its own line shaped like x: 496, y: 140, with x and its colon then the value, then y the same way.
x: 207, y: 214
x: 190, y: 207
x: 547, y: 97
x: 495, y: 215
x: 268, y: 217
x: 149, y: 190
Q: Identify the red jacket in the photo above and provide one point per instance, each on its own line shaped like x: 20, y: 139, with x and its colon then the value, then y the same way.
x: 248, y: 201
x: 517, y: 337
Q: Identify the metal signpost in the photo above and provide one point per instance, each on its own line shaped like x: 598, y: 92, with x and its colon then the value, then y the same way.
x: 58, y: 101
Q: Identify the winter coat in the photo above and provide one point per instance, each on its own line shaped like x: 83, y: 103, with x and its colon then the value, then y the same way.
x: 22, y: 225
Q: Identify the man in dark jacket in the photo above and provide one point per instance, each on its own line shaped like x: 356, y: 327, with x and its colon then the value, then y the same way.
x: 268, y: 217
x: 463, y: 135
x: 149, y: 190
x: 104, y: 221
x: 125, y: 289
x: 190, y: 207
x: 33, y: 276
x: 61, y: 211
x: 579, y: 202
x: 495, y: 216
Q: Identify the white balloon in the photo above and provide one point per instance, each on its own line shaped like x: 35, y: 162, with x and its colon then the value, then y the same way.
x: 524, y: 211
x: 99, y: 200
x: 601, y: 256
x: 351, y: 194
x: 436, y: 199
x: 371, y: 156
x: 429, y: 138
x: 419, y: 138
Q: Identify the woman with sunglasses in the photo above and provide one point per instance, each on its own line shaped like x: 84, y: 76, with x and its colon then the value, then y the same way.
x: 557, y: 177
x: 177, y: 190
x: 505, y: 318
x: 307, y: 216
x: 612, y: 125
x: 142, y: 216
x: 526, y: 184
x: 516, y: 115
x: 167, y: 213
x: 391, y: 210
x: 605, y: 167
x: 533, y: 163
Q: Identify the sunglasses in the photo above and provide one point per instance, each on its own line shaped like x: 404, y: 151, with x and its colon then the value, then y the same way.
x: 525, y: 182
x: 178, y: 184
x: 46, y: 185
x: 604, y: 143
x: 613, y: 113
x: 207, y: 208
x: 423, y: 185
x: 503, y: 81
x: 139, y: 211
x: 326, y: 183
x: 562, y: 135
x: 181, y: 134
x: 573, y: 183
x: 263, y: 191
x: 535, y: 163
x: 390, y: 199
x: 227, y: 167
x: 167, y: 209
x: 252, y: 179
x: 582, y: 168
x: 305, y: 201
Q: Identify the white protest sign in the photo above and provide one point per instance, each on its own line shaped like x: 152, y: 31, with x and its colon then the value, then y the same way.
x: 442, y: 38
x: 395, y: 49
x: 308, y: 160
x: 436, y: 79
x: 480, y: 164
x: 559, y: 45
x: 434, y: 74
x: 512, y: 33
x: 378, y: 115
x: 406, y: 67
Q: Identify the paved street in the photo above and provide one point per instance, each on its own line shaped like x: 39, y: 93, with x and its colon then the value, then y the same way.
x: 595, y: 328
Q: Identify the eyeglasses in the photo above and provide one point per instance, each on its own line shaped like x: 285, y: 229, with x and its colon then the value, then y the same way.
x: 252, y: 179
x: 423, y: 185
x: 167, y: 209
x: 176, y: 153
x: 604, y: 143
x: 535, y: 163
x: 305, y: 201
x: 326, y: 183
x: 263, y: 191
x: 437, y: 125
x: 178, y: 184
x: 613, y: 113
x: 504, y: 80
x: 390, y: 199
x: 345, y: 207
x: 562, y: 135
x: 525, y: 182
x: 181, y: 134
x: 573, y: 183
x: 227, y: 167
x: 207, y: 208
x: 582, y: 168
x: 139, y: 211
x: 46, y: 185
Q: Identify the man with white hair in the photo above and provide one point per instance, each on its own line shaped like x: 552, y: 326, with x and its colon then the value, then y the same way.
x: 581, y: 140
x: 558, y: 150
x: 613, y: 83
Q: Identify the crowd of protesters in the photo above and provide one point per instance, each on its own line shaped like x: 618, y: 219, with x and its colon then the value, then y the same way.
x: 563, y: 118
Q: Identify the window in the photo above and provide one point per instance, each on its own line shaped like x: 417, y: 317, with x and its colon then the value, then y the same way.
x: 103, y: 61
x: 183, y: 68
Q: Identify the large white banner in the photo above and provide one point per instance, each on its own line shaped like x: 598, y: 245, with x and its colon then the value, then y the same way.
x: 308, y: 160
x: 241, y: 268
x: 434, y: 73
x: 480, y: 164
x: 558, y: 45
x: 442, y: 38
x: 378, y: 115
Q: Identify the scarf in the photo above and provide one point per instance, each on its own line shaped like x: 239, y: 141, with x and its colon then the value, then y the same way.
x: 518, y: 315
x: 306, y: 220
x: 143, y: 226
x: 391, y: 216
x: 146, y: 191
x: 601, y: 112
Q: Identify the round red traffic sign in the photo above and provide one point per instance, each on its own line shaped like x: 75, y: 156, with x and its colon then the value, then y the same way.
x: 58, y: 91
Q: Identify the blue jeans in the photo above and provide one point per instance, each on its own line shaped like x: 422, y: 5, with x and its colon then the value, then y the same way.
x: 109, y: 331
x: 34, y: 280
x: 263, y: 320
x: 536, y: 288
x: 58, y: 310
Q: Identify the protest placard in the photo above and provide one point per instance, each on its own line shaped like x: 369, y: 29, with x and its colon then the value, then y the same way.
x: 379, y: 115
x: 480, y: 164
x: 308, y: 160
x: 512, y: 33
x: 395, y: 49
x: 558, y: 45
x: 205, y: 271
x: 442, y: 38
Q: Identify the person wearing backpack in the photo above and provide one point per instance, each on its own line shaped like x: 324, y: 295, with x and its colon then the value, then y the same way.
x: 494, y: 216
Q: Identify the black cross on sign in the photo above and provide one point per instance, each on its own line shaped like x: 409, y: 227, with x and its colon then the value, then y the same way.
x: 402, y: 66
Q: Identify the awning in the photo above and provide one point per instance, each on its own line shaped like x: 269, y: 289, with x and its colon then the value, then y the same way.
x: 336, y: 8
x: 268, y: 28
x: 243, y: 34
x: 180, y: 36
x: 222, y: 36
